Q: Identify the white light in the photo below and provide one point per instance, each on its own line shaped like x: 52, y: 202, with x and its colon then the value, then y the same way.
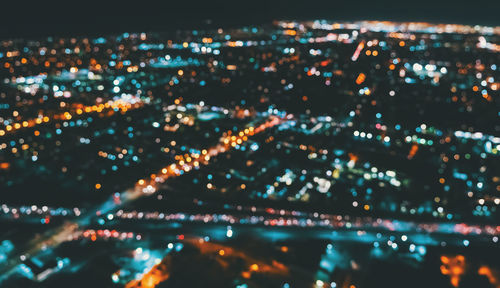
x: 412, y: 247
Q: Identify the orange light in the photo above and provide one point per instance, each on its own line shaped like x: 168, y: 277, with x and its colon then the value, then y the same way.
x: 254, y: 267
x: 454, y: 267
x: 361, y: 78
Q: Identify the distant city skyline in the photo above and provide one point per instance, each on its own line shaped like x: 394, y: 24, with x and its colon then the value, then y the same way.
x: 44, y: 19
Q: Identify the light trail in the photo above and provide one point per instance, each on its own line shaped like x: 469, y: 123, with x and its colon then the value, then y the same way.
x: 360, y: 47
x: 110, y: 107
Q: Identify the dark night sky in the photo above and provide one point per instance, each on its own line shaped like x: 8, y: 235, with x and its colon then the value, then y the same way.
x: 25, y: 19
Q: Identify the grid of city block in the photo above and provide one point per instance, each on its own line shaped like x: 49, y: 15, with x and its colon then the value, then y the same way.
x: 287, y: 154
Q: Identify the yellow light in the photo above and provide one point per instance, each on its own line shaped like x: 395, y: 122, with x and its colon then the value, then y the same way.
x: 254, y: 267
